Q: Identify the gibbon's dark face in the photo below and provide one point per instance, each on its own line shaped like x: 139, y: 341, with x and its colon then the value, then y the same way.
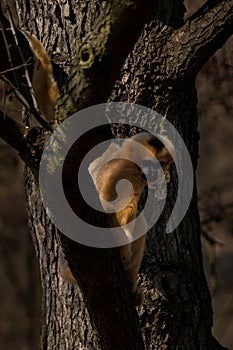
x: 156, y: 156
x: 156, y: 143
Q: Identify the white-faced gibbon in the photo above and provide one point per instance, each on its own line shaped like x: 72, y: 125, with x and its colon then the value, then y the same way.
x: 112, y: 167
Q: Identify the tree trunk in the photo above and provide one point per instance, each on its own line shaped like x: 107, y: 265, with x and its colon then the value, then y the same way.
x: 159, y: 73
x: 65, y: 320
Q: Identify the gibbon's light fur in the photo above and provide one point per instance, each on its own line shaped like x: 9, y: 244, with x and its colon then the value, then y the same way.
x: 43, y: 82
x: 107, y: 173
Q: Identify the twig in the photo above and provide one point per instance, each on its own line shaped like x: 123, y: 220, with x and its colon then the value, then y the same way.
x: 210, y: 239
x: 12, y: 69
x: 27, y: 99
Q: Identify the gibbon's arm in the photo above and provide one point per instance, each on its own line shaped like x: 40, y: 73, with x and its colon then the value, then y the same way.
x: 43, y: 82
x: 109, y: 154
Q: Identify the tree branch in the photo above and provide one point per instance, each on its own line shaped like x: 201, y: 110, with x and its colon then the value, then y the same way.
x: 103, y: 51
x: 202, y: 35
x: 14, y: 134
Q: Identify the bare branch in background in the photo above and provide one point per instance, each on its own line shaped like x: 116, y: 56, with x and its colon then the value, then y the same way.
x: 17, y: 65
x: 214, y: 208
x: 202, y: 35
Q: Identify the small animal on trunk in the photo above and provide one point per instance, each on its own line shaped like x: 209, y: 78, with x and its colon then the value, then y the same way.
x: 125, y: 164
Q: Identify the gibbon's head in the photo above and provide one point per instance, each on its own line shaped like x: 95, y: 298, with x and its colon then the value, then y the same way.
x: 153, y: 149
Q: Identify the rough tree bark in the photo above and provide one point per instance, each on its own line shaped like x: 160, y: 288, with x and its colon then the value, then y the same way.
x: 159, y: 72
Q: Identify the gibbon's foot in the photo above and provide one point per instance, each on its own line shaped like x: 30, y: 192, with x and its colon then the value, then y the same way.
x: 138, y: 296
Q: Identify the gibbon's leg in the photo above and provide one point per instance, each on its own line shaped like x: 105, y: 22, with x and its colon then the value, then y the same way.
x: 125, y: 254
x: 132, y: 266
x: 132, y: 269
x: 126, y: 250
x: 133, y: 262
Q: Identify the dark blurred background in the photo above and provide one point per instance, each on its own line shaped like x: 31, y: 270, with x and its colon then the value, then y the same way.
x: 19, y: 283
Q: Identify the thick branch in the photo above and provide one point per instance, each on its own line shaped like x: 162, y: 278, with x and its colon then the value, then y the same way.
x: 103, y: 52
x: 202, y: 35
x: 14, y: 134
